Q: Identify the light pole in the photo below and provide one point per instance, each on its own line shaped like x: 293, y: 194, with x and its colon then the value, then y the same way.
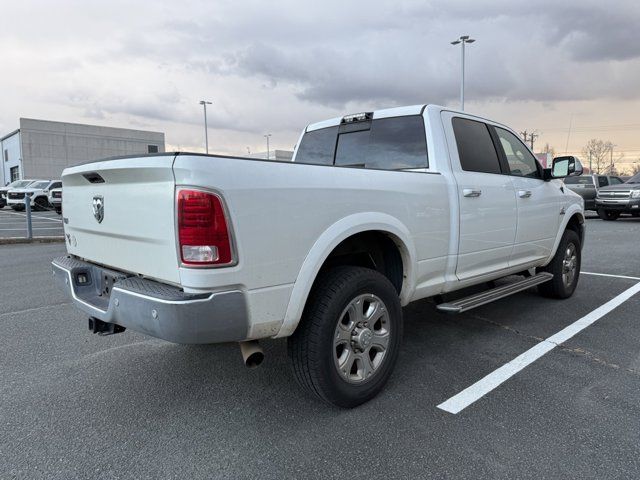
x: 204, y: 103
x: 611, y: 158
x: 462, y: 40
x: 267, y: 137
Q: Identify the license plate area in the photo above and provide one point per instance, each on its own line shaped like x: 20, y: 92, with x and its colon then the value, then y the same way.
x: 108, y: 278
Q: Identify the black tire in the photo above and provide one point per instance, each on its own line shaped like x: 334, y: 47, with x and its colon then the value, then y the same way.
x: 312, y: 350
x: 608, y: 215
x: 557, y: 287
x: 17, y: 208
x: 59, y: 210
x: 41, y: 203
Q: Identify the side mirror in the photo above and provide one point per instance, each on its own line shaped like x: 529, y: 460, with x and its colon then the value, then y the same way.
x: 568, y: 166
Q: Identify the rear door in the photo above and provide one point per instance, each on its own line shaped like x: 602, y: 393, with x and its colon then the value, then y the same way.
x: 537, y: 201
x: 486, y: 197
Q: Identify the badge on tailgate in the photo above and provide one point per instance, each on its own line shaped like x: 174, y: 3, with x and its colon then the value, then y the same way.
x: 98, y: 208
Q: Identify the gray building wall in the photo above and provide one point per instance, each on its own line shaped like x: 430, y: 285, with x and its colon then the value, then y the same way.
x: 49, y: 147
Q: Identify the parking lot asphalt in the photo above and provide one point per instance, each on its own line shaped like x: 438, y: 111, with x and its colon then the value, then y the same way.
x: 76, y: 405
x: 44, y: 224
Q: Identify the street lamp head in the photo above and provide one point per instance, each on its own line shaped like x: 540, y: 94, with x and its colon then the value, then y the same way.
x: 464, y: 37
x: 204, y: 102
x: 456, y: 42
x: 470, y: 40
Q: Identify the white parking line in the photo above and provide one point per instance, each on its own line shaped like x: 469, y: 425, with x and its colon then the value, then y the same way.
x: 462, y: 400
x: 609, y: 275
x: 35, y: 229
x: 24, y: 215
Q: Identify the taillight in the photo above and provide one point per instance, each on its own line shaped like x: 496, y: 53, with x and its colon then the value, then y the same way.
x: 203, y: 232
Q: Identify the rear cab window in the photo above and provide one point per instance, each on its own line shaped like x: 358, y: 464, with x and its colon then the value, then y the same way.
x: 395, y: 143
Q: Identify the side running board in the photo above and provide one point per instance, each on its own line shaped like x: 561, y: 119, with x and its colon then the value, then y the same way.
x: 488, y: 296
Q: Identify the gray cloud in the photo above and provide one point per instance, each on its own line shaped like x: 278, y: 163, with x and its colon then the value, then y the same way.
x: 279, y: 65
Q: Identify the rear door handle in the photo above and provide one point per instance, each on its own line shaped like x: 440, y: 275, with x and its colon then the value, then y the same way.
x: 470, y: 192
x: 524, y: 193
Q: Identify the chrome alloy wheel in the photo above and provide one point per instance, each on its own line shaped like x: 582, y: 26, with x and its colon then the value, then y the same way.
x: 569, y: 265
x: 361, y: 338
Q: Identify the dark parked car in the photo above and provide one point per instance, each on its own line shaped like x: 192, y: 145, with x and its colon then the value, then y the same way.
x: 614, y: 200
x: 587, y: 187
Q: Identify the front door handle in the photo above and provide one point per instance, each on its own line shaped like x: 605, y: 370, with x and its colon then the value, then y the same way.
x: 524, y: 193
x: 470, y: 192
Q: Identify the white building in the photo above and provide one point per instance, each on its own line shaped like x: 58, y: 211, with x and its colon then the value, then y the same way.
x: 279, y: 155
x: 42, y: 148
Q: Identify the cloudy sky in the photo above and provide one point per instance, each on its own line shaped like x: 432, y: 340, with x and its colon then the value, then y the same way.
x: 277, y: 66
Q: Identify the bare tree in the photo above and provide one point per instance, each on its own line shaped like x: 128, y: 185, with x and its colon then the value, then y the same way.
x: 635, y: 168
x: 549, y: 149
x: 597, y: 153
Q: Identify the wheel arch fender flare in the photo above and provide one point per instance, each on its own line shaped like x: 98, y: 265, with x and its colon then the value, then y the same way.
x: 329, y: 240
x: 572, y: 211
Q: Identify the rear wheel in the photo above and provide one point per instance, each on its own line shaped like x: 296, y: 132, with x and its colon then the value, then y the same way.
x: 348, y: 340
x: 608, y: 214
x: 59, y: 210
x: 565, y: 268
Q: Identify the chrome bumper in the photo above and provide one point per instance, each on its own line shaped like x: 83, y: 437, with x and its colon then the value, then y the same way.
x: 151, y: 307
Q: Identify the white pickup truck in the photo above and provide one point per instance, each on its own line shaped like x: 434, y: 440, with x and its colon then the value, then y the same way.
x: 375, y: 211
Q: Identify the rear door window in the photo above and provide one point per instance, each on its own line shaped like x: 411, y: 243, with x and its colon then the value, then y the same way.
x: 475, y: 147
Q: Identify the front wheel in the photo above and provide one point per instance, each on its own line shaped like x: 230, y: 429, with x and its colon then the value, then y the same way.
x: 348, y: 340
x: 565, y: 267
x: 609, y: 215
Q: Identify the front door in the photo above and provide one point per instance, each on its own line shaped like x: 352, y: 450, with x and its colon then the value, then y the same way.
x: 538, y: 202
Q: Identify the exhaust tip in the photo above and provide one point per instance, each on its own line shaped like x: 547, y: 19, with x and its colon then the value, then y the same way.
x: 252, y: 353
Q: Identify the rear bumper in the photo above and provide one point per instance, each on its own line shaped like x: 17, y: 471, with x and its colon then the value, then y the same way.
x: 629, y: 205
x: 590, y: 204
x: 153, y: 308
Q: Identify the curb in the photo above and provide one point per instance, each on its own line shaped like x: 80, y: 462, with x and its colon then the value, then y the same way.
x: 19, y: 240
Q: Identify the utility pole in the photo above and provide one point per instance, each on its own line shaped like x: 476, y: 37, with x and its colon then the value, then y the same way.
x: 532, y: 138
x: 204, y: 103
x: 525, y: 136
x: 267, y: 137
x: 462, y: 40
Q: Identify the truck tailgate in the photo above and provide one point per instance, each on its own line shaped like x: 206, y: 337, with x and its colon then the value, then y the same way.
x: 135, y: 231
